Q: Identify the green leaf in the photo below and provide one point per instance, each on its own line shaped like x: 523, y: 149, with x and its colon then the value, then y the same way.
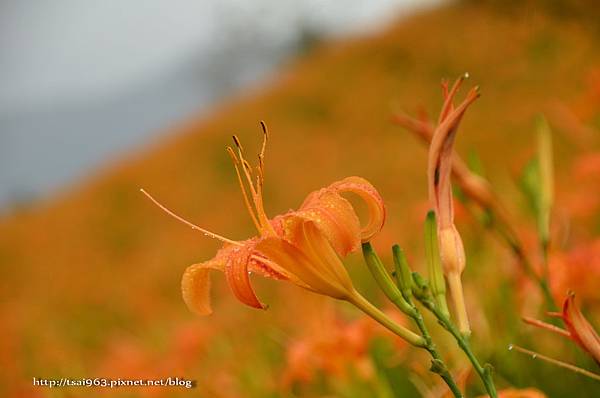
x: 537, y: 180
x: 546, y: 175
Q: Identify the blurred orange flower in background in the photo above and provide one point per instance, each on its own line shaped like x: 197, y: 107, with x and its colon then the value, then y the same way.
x: 338, y: 349
x: 519, y: 393
x: 577, y: 269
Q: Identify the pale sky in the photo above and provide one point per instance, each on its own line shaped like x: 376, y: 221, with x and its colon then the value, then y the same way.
x: 84, y: 81
x: 60, y: 50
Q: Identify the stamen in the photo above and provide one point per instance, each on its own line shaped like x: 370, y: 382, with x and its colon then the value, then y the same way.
x: 256, y: 191
x: 193, y: 226
x: 261, y: 155
x: 248, y: 173
x: 243, y: 188
x: 265, y: 130
x: 245, y: 165
x: 237, y: 142
x: 261, y: 171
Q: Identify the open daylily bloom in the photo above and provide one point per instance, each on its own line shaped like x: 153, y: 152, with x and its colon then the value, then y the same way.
x: 580, y: 330
x: 302, y: 246
x: 439, y: 168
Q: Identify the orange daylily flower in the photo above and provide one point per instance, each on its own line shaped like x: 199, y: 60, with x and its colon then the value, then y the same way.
x: 439, y: 168
x: 302, y: 246
x: 580, y: 330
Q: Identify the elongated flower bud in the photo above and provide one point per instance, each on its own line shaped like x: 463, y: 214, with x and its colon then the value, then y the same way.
x: 434, y: 265
x: 384, y: 280
x: 440, y: 195
x: 403, y: 273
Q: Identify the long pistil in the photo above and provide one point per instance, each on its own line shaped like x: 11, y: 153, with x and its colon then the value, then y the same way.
x: 193, y: 226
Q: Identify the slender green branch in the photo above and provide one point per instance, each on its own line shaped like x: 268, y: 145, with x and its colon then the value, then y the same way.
x: 362, y: 304
x: 485, y: 371
x: 437, y: 364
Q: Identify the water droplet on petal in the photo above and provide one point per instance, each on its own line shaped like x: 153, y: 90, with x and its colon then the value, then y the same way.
x: 510, y: 347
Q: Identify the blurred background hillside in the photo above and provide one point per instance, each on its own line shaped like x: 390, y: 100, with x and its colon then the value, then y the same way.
x: 82, y: 83
x: 98, y: 101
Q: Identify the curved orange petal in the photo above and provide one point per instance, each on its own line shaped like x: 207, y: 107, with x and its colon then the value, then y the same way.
x: 195, y: 285
x: 372, y: 198
x: 336, y: 218
x: 237, y: 262
x: 580, y: 329
x: 237, y: 275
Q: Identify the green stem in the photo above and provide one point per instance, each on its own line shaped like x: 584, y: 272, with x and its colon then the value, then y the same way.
x: 484, y: 372
x: 365, y: 306
x: 438, y: 365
